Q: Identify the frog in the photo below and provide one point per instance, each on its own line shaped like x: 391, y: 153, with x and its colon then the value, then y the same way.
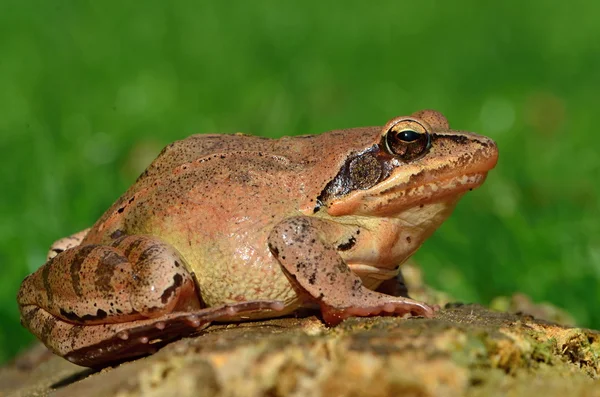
x: 225, y: 228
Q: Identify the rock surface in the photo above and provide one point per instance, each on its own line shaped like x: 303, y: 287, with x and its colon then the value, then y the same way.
x: 466, y: 350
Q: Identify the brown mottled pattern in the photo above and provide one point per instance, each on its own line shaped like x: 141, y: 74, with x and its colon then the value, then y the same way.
x: 47, y: 328
x: 46, y: 271
x: 105, y: 270
x: 75, y: 267
x: 171, y: 291
x: 132, y: 245
x: 151, y: 251
x: 28, y: 315
x: 295, y: 237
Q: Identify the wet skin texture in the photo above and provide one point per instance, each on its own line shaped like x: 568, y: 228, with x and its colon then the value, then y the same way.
x: 235, y: 227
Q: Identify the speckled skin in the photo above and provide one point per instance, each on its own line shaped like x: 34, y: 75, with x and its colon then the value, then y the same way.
x: 227, y: 227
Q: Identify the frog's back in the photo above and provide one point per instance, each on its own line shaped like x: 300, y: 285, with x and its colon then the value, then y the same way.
x: 200, y: 146
x: 203, y: 157
x: 305, y: 149
x: 198, y: 160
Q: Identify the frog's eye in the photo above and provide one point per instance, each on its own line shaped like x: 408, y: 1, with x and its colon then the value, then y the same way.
x: 407, y: 140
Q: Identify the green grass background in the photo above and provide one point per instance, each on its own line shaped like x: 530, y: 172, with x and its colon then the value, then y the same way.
x: 91, y: 90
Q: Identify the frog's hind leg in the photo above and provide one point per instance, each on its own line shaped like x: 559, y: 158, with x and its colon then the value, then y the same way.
x: 98, y: 304
x: 134, y: 278
x: 105, y: 344
x: 300, y: 244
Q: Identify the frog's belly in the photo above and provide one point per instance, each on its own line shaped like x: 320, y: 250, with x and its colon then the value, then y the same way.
x: 241, y: 278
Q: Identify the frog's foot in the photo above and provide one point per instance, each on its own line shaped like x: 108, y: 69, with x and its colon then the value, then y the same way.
x: 371, y: 303
x: 66, y: 242
x: 317, y: 267
x: 105, y: 344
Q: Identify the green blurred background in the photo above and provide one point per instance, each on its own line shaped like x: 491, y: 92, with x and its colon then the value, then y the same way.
x: 91, y: 90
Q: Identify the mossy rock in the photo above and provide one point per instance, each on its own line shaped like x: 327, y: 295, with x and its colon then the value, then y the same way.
x: 466, y: 350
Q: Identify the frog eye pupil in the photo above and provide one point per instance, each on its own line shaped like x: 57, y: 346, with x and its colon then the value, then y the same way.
x: 408, y: 135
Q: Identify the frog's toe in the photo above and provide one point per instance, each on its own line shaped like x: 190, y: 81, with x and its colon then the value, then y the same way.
x: 399, y: 307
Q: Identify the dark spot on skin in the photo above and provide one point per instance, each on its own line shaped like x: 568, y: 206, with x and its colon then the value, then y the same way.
x: 274, y: 249
x: 331, y: 276
x: 364, y: 171
x: 131, y: 199
x: 57, y: 250
x: 460, y: 139
x: 341, y: 267
x: 74, y: 334
x: 149, y: 252
x: 408, y: 239
x: 177, y: 281
x: 347, y: 245
x: 312, y: 279
x: 100, y: 315
x: 143, y: 174
x: 177, y: 264
x: 116, y: 234
x: 120, y: 210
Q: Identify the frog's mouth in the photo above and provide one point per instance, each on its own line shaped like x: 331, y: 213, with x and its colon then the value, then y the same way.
x: 392, y: 200
x: 449, y: 189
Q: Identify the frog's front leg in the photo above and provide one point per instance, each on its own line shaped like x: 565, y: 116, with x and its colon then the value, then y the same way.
x: 100, y: 304
x: 300, y: 244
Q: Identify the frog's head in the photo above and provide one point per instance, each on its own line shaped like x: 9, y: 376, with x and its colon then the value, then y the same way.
x: 411, y: 162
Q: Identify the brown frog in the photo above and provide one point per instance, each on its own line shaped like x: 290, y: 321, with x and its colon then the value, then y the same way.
x: 235, y: 227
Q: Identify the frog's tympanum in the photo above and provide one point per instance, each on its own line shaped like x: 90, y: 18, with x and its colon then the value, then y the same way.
x: 236, y: 227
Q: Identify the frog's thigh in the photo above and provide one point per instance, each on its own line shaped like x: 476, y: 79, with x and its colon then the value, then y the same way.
x: 315, y: 264
x: 135, y: 277
x: 66, y: 242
